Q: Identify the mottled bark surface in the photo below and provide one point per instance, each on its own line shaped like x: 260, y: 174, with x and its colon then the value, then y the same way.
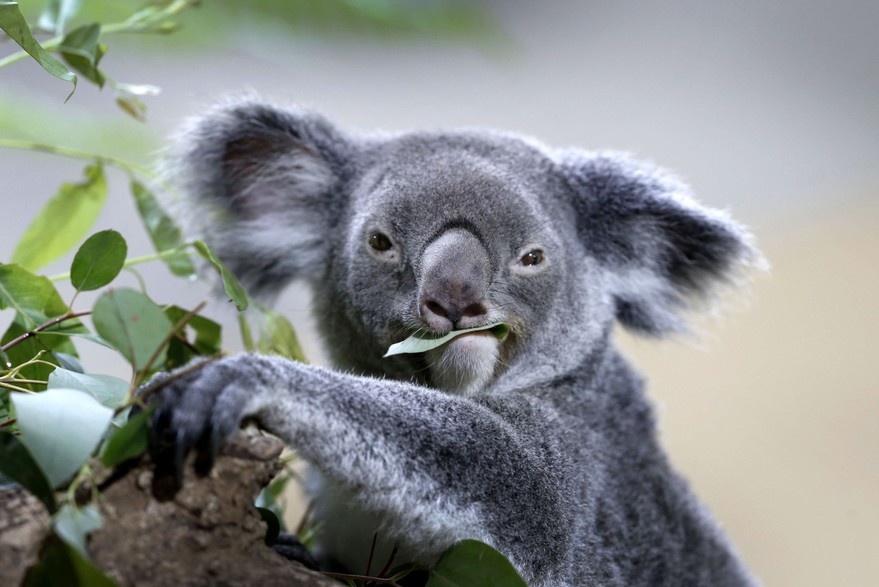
x: 209, y: 534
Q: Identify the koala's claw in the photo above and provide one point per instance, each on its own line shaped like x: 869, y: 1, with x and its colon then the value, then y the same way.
x: 199, y: 408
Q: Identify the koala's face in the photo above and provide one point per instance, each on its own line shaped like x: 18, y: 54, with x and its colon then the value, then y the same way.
x: 437, y: 232
x: 445, y: 238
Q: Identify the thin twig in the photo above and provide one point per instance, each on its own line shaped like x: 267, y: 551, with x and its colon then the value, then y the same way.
x: 42, y: 327
x: 181, y: 324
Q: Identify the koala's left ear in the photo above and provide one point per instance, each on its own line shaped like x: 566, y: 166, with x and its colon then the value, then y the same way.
x: 665, y: 253
x: 263, y: 188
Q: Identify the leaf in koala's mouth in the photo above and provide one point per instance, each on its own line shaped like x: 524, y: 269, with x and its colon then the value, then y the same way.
x: 419, y: 343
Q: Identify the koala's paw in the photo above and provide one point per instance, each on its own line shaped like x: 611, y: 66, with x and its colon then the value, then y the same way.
x: 198, y: 408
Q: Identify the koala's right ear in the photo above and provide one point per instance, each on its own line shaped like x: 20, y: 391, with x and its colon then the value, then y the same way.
x: 262, y: 186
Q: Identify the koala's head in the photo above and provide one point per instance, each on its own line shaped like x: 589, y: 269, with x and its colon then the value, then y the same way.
x: 433, y: 232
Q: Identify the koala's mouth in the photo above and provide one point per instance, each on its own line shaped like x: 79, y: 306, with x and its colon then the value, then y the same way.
x: 461, y: 361
x: 421, y: 342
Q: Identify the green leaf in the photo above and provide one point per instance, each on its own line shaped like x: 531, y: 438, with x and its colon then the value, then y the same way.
x: 13, y: 24
x: 128, y: 98
x: 55, y: 16
x: 36, y: 301
x: 34, y: 297
x: 162, y: 230
x: 208, y: 333
x: 64, y: 221
x: 73, y: 525
x: 60, y: 564
x: 133, y: 324
x: 98, y: 261
x: 128, y: 442
x: 25, y: 351
x: 230, y: 283
x: 17, y: 464
x: 82, y: 51
x: 419, y: 343
x: 110, y: 391
x: 278, y: 337
x: 60, y: 428
x: 470, y: 563
x: 184, y: 347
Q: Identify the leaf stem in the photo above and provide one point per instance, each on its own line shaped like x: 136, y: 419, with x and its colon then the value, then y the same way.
x: 181, y: 324
x: 136, y: 23
x: 53, y: 322
x: 132, y: 261
x: 77, y: 154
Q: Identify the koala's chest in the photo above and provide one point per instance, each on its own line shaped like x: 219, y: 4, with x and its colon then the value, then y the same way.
x: 344, y: 531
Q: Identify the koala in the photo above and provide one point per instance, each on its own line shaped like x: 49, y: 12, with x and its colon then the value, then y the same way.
x: 540, y: 443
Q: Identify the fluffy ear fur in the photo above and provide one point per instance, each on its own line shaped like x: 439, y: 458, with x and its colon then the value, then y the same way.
x: 665, y: 252
x: 263, y: 188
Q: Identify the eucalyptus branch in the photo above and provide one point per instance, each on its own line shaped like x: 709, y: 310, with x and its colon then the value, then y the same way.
x: 42, y: 327
x: 126, y: 166
x: 144, y: 21
x: 181, y: 324
x: 132, y: 261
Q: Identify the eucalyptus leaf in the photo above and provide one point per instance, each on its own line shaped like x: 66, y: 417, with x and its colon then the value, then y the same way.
x: 14, y: 24
x: 134, y: 325
x: 127, y: 442
x: 208, y: 334
x: 419, y: 343
x: 64, y: 221
x: 470, y: 563
x: 98, y: 261
x: 82, y: 50
x: 69, y: 362
x: 277, y: 337
x: 162, y: 229
x: 230, y: 283
x: 34, y: 297
x: 61, y: 564
x: 110, y: 391
x: 73, y: 524
x: 60, y: 428
x: 17, y: 464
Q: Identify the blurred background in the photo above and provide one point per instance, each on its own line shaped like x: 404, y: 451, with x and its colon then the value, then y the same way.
x: 768, y: 108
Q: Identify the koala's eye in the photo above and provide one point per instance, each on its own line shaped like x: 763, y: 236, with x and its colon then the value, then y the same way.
x: 379, y: 241
x: 532, y: 257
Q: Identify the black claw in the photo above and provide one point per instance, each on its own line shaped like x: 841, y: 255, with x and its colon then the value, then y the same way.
x: 206, y: 451
x: 290, y: 548
x: 181, y: 451
x: 167, y: 479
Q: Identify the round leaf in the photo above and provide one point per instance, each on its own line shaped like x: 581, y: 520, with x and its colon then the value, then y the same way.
x: 470, y: 563
x: 60, y: 428
x: 98, y: 261
x: 133, y: 324
x: 108, y: 390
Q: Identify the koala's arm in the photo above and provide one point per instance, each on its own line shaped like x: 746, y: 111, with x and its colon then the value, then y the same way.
x: 444, y: 467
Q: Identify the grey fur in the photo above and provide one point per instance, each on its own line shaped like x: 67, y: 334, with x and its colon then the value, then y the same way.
x: 543, y: 445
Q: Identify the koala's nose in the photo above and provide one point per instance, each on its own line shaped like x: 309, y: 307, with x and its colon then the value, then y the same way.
x: 454, y: 311
x: 454, y: 278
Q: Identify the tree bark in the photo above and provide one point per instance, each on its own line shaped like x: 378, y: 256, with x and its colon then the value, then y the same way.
x: 209, y: 534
